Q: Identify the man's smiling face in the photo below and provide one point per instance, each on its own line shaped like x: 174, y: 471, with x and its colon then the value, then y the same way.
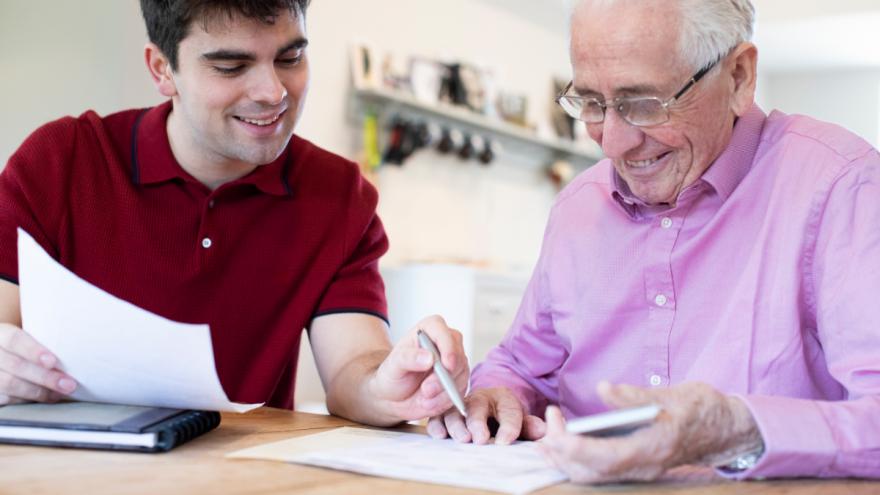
x: 614, y: 55
x: 240, y: 86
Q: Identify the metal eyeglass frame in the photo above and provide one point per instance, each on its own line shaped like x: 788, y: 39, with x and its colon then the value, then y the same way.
x: 573, y: 104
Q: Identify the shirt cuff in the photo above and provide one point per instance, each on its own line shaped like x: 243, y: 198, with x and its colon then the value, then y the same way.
x: 797, y: 439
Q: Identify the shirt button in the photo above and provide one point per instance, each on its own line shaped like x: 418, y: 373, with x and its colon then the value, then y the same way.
x: 206, y: 242
x: 666, y: 222
x: 211, y: 204
x: 660, y: 300
x: 655, y: 380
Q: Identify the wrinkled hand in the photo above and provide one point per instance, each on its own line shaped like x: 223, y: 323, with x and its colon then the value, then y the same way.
x: 28, y: 370
x: 497, y: 403
x: 698, y: 425
x: 405, y: 380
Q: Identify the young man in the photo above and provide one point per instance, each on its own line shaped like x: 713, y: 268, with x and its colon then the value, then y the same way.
x: 721, y: 263
x: 209, y: 209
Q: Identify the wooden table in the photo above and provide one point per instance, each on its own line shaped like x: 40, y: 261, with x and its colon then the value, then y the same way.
x: 200, y: 468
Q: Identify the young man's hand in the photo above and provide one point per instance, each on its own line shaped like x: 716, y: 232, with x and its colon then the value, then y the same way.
x: 28, y: 370
x: 369, y: 381
x: 405, y: 380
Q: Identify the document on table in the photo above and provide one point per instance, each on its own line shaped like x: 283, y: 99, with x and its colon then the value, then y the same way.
x: 517, y: 468
x: 117, y: 352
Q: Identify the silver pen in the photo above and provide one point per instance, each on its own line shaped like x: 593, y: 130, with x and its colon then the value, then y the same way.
x: 445, y: 380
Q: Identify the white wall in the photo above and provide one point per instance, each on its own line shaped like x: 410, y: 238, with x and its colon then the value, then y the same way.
x: 436, y: 208
x: 786, y: 10
x: 848, y: 98
x: 65, y: 57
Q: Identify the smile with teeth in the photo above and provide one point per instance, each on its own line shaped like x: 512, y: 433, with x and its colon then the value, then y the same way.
x: 645, y: 163
x: 260, y: 122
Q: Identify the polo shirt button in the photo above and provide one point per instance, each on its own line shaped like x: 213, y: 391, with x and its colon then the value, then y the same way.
x: 660, y: 300
x: 655, y: 380
x: 666, y: 222
x: 211, y: 204
x: 206, y: 242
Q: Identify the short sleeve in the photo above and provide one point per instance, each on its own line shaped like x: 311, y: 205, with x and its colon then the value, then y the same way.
x: 357, y: 286
x: 27, y: 192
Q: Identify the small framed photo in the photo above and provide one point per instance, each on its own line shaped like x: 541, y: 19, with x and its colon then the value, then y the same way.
x: 365, y: 66
x: 426, y: 78
x: 513, y: 108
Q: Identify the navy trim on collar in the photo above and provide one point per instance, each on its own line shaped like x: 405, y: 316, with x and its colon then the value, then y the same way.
x: 286, y: 169
x: 135, y: 167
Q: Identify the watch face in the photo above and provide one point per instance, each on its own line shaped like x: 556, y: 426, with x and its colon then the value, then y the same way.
x: 743, y: 462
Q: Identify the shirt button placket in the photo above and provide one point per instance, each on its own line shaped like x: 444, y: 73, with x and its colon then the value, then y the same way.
x: 206, y: 241
x: 660, y: 294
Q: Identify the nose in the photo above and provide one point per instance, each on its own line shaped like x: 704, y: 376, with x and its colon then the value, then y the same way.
x: 267, y: 87
x: 617, y: 136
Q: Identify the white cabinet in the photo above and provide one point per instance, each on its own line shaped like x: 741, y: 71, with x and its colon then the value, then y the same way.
x: 496, y: 301
x: 480, y: 305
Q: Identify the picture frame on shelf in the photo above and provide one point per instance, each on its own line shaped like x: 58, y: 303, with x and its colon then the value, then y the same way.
x: 365, y: 65
x: 426, y: 78
x: 513, y: 108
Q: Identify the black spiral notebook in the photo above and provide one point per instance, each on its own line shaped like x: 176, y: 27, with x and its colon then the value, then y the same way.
x: 103, y: 426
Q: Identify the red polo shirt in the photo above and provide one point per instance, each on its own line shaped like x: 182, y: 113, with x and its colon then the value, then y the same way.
x: 257, y: 259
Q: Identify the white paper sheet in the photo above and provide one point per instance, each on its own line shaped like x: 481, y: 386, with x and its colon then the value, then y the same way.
x: 117, y: 352
x: 517, y: 468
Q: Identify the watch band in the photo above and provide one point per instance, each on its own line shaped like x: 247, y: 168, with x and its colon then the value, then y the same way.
x: 743, y: 462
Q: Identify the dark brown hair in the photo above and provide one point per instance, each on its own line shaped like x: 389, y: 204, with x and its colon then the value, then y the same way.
x: 168, y: 21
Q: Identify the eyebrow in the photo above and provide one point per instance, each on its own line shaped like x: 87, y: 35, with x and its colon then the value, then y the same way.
x: 238, y: 55
x: 638, y: 89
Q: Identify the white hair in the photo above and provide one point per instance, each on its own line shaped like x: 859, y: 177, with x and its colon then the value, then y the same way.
x: 709, y: 28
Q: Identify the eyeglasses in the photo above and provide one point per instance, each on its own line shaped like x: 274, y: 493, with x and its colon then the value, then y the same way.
x: 641, y: 111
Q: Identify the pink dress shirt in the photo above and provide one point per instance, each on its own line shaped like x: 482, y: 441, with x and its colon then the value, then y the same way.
x: 763, y: 281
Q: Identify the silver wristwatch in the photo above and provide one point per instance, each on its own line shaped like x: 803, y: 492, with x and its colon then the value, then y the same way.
x: 743, y: 462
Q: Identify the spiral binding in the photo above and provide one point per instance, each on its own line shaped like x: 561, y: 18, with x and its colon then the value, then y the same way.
x: 185, y: 427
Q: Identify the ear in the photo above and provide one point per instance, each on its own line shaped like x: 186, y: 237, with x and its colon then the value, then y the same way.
x: 160, y: 70
x: 744, y: 76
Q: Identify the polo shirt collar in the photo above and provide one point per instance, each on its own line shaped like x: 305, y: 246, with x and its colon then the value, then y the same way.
x: 153, y: 161
x: 724, y: 175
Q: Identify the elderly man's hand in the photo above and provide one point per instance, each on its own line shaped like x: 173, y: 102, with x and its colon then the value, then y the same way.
x: 498, y: 404
x: 698, y: 425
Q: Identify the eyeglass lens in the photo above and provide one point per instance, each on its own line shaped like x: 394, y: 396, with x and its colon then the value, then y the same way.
x: 642, y: 111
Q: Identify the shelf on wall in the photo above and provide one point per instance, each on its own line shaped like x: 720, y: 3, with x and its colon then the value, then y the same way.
x: 391, y: 101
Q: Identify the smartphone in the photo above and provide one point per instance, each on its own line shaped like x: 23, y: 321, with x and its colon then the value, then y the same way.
x: 614, y: 423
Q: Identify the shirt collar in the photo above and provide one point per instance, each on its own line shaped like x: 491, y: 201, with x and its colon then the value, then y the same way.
x: 725, y: 173
x: 736, y: 160
x: 153, y: 161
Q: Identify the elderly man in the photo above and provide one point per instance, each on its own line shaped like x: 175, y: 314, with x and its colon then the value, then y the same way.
x: 721, y: 262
